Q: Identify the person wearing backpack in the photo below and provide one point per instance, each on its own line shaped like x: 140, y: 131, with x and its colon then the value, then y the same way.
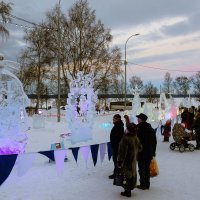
x: 147, y: 137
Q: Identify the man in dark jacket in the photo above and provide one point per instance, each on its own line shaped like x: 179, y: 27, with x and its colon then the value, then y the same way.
x: 196, y: 126
x: 147, y: 137
x: 116, y: 135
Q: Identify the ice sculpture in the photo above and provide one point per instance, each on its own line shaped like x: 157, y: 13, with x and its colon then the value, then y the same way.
x: 149, y: 111
x: 13, y: 117
x: 173, y: 108
x: 80, y: 111
x: 135, y: 104
x: 136, y: 100
x: 162, y: 106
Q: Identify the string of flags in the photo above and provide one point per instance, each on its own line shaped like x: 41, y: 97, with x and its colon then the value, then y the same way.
x: 25, y: 160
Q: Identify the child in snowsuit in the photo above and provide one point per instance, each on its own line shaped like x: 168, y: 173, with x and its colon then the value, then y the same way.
x: 166, y: 130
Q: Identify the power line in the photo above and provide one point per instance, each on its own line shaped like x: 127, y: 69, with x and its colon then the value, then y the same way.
x: 24, y: 26
x: 163, y: 69
x: 20, y: 25
x: 24, y: 20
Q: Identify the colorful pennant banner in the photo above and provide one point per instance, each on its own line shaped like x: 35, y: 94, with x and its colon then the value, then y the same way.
x: 25, y: 160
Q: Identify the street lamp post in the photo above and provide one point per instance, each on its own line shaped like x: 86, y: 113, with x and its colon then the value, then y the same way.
x: 125, y: 63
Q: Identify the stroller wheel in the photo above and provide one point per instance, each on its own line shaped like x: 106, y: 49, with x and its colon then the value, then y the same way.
x: 172, y: 146
x: 181, y: 148
x: 191, y: 147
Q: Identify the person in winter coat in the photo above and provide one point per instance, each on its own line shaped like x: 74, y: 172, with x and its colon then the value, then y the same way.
x: 127, y: 158
x: 185, y: 117
x: 190, y: 118
x: 166, y: 130
x: 116, y: 135
x: 147, y: 137
x: 196, y: 127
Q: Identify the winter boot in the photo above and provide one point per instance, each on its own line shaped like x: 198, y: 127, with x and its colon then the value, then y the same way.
x: 111, y: 176
x: 126, y: 193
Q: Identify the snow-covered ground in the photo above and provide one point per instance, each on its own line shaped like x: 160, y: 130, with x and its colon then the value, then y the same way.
x: 179, y: 176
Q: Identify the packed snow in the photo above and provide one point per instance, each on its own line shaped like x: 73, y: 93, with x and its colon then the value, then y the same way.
x: 178, y: 172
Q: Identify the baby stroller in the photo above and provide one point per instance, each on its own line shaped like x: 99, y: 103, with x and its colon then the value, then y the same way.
x: 181, y: 138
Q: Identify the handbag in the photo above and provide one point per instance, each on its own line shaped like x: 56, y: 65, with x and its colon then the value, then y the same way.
x: 120, y: 179
x: 153, y: 168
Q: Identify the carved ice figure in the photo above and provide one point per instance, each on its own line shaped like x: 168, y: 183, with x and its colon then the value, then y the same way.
x: 136, y: 101
x: 162, y: 105
x: 13, y: 117
x: 149, y: 111
x: 172, y: 108
x: 135, y: 104
x: 80, y: 111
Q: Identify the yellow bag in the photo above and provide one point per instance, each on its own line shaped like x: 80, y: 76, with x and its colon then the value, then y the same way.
x: 153, y: 168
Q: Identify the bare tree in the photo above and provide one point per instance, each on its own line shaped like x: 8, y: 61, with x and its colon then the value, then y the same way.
x: 150, y: 90
x: 5, y: 9
x: 85, y: 45
x: 182, y: 85
x: 195, y: 80
x: 135, y: 80
x: 118, y: 85
x: 34, y: 61
x: 168, y: 83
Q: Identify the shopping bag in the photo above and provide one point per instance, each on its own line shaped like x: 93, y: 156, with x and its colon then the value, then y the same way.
x: 153, y: 168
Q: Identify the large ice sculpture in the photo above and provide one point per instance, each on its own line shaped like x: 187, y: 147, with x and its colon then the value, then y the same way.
x: 136, y: 105
x: 81, y: 108
x: 13, y: 117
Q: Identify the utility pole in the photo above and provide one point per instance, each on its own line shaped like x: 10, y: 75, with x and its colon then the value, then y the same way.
x: 59, y: 50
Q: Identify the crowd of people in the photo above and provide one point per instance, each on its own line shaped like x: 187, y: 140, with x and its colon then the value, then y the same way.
x: 190, y: 118
x: 135, y: 144
x: 132, y: 145
x: 190, y: 121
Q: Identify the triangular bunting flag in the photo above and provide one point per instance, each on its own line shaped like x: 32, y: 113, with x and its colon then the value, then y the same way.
x: 85, y: 153
x: 94, y: 150
x: 59, y: 158
x: 49, y: 154
x: 102, y: 151
x: 75, y: 152
x: 109, y: 149
x: 6, y: 165
x: 25, y: 161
